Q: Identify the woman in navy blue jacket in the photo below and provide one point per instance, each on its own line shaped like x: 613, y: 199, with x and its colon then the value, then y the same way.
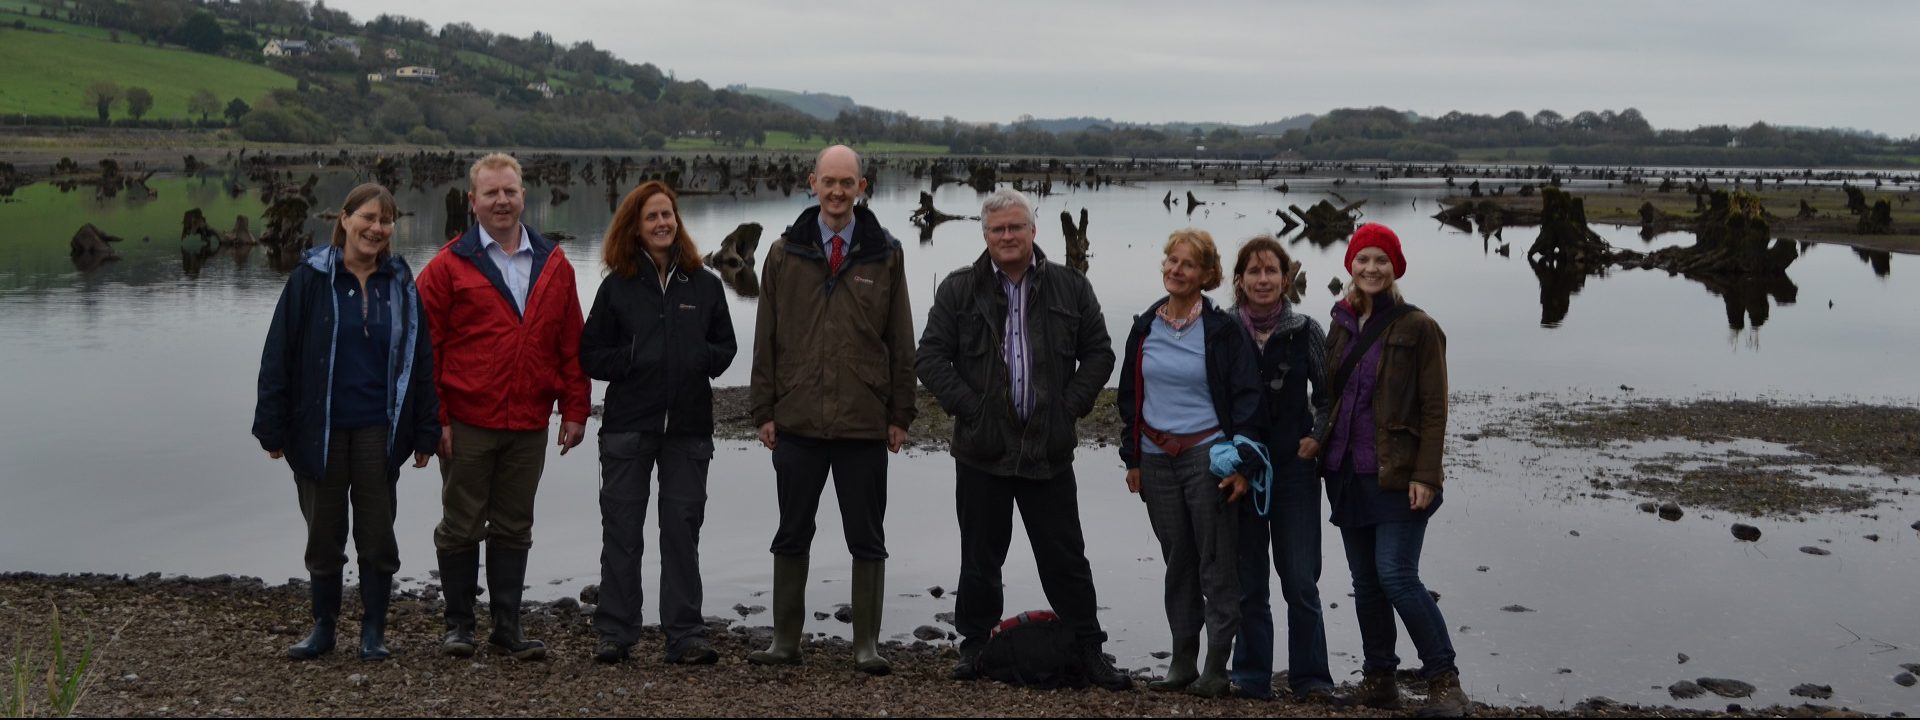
x: 346, y: 394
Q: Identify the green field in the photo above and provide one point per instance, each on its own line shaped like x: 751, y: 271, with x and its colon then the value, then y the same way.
x: 47, y: 72
x: 35, y: 21
x: 782, y: 141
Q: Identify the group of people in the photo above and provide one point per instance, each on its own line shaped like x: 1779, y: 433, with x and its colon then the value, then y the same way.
x: 1233, y: 417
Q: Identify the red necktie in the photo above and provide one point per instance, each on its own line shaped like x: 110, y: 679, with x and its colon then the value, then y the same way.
x: 834, y: 260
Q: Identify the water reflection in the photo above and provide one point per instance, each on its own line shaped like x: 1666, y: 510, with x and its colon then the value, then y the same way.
x: 1880, y: 260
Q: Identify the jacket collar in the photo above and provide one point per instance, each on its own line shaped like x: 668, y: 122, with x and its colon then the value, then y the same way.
x: 468, y: 247
x: 984, y: 268
x: 870, y: 240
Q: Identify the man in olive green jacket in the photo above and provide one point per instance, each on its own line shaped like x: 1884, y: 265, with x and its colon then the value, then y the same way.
x: 832, y: 391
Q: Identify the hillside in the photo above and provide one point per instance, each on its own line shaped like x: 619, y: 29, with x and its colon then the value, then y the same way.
x: 46, y: 72
x: 824, y: 106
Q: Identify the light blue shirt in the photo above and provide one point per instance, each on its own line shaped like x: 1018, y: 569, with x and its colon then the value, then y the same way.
x: 1175, y: 373
x: 827, y: 233
x: 517, y: 270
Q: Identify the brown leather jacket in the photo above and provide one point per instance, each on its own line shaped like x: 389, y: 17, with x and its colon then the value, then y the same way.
x: 1409, y: 399
x: 833, y: 353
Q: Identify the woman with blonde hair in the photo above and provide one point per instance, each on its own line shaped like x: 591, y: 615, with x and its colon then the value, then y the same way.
x: 1189, y: 383
x: 659, y: 332
x: 1381, y: 457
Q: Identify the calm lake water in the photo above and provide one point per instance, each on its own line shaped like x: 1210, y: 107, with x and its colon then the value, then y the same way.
x: 130, y: 389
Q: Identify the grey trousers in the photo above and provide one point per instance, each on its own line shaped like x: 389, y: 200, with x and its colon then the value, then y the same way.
x: 1199, y: 539
x: 627, y: 461
x: 357, y: 484
x: 487, y: 488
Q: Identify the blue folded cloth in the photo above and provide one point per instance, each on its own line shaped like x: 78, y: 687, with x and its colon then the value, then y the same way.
x: 1230, y: 456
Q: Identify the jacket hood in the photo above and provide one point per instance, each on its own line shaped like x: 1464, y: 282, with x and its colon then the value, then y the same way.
x: 324, y: 257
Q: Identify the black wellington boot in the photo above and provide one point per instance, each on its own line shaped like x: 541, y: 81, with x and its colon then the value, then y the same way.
x: 375, y: 592
x: 326, y: 616
x: 507, y: 575
x: 459, y: 577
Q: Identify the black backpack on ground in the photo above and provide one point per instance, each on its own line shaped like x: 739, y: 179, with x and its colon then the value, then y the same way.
x: 1033, y: 649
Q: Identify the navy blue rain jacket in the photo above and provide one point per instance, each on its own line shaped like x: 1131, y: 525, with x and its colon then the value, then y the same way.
x: 294, y: 414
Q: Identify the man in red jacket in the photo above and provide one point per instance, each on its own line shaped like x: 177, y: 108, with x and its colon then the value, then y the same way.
x: 505, y: 319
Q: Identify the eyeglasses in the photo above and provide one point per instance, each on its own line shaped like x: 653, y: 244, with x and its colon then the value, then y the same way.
x: 1009, y: 229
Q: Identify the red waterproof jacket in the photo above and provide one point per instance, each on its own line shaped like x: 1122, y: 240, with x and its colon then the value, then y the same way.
x: 494, y: 368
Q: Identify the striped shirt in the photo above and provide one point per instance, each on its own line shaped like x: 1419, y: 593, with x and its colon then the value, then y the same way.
x: 1013, y: 343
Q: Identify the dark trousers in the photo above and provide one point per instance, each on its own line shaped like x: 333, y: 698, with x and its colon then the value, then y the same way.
x: 487, y: 488
x: 1385, y: 560
x: 627, y: 461
x: 357, y: 484
x: 1199, y: 537
x: 1292, y: 525
x: 859, y: 468
x: 1051, y: 511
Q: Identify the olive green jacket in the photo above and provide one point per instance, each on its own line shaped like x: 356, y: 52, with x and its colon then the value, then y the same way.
x: 1409, y: 399
x: 833, y: 352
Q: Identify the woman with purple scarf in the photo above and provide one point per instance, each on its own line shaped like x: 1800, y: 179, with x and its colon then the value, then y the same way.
x: 1291, y: 349
x: 1381, y: 455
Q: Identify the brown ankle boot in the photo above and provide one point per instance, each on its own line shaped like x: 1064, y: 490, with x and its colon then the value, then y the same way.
x: 1376, y: 690
x: 1444, y: 697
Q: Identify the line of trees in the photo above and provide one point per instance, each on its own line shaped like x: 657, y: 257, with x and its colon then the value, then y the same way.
x: 486, y: 96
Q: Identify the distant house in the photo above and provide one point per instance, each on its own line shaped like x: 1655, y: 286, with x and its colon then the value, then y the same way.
x: 286, y: 48
x: 376, y: 77
x: 545, y: 90
x: 344, y: 44
x: 419, y: 73
x: 392, y: 54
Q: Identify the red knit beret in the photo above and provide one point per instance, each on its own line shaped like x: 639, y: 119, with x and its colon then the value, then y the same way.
x: 1377, y: 235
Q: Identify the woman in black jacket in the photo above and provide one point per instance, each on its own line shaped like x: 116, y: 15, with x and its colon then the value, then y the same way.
x: 659, y: 332
x: 1189, y: 383
x: 345, y: 395
x: 1293, y: 360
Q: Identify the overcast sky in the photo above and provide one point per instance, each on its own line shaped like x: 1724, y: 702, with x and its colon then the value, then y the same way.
x: 1683, y: 64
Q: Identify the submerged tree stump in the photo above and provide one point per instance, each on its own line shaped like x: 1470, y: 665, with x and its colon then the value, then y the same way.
x: 1076, y: 239
x: 927, y: 215
x: 1879, y: 220
x: 1734, y: 241
x: 456, y: 203
x: 1565, y: 242
x: 738, y: 248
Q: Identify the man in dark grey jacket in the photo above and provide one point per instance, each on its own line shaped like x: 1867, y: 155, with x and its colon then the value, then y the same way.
x: 1016, y: 350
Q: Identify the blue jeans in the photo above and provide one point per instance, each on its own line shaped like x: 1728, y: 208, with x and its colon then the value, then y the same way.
x: 1293, y: 526
x: 1385, y: 560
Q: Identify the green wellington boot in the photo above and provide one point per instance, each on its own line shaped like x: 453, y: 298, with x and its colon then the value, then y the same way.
x: 1214, y: 682
x: 789, y: 612
x: 869, y: 598
x: 1181, y: 671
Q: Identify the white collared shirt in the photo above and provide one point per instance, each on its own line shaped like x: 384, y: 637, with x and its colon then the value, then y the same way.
x: 517, y: 270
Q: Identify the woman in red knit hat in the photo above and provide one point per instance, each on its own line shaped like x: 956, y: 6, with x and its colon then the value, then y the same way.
x: 1381, y: 457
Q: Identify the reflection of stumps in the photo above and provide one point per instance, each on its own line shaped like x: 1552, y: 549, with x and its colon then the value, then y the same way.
x: 1076, y: 239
